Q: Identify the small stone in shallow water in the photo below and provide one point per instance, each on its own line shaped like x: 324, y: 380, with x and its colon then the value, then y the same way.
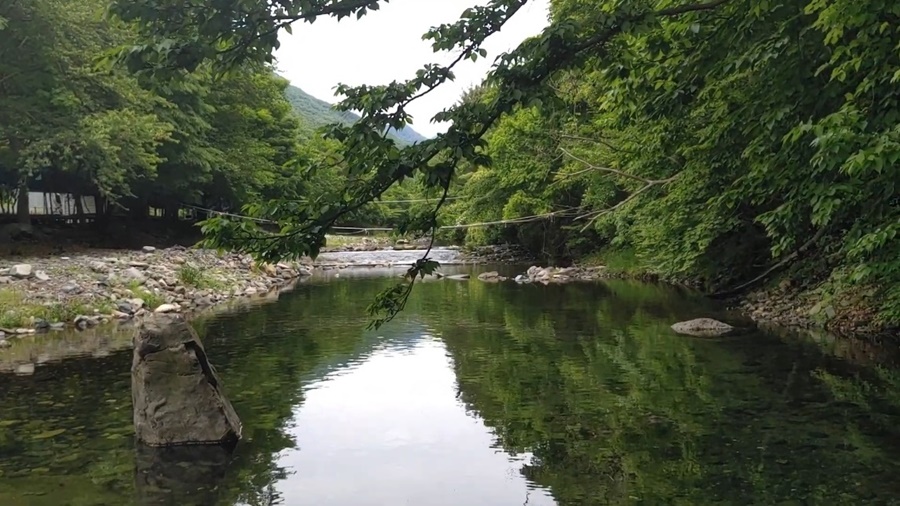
x: 57, y: 326
x: 82, y: 322
x: 4, y: 343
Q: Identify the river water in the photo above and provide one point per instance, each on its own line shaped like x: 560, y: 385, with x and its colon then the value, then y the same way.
x: 478, y: 394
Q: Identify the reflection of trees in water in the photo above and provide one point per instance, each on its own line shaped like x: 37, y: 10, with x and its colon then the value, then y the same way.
x: 587, y: 378
x: 617, y: 409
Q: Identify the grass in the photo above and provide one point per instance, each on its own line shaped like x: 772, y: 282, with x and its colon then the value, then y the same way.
x: 151, y: 299
x: 192, y: 276
x: 17, y: 311
x: 616, y: 260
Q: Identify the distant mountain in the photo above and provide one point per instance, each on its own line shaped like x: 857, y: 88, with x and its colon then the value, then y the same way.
x: 317, y: 112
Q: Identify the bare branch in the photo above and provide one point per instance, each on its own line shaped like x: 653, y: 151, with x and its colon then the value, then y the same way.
x: 593, y: 215
x: 592, y: 167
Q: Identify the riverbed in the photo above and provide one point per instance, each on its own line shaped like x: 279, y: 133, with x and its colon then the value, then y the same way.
x: 478, y: 393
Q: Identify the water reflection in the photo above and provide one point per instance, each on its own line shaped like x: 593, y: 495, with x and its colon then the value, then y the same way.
x: 488, y: 394
x: 390, y: 430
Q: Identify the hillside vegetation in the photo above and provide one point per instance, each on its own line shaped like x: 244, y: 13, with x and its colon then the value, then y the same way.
x: 317, y: 113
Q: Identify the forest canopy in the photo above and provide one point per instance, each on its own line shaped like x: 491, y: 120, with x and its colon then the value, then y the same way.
x: 717, y: 141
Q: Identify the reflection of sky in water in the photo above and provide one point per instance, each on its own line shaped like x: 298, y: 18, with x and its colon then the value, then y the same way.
x: 389, y: 430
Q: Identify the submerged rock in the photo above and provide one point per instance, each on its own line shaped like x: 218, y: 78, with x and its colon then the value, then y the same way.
x: 180, y: 474
x: 491, y: 277
x: 458, y: 277
x: 176, y: 392
x: 703, y: 327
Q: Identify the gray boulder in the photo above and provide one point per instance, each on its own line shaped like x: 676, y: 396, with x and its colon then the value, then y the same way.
x: 21, y: 271
x: 703, y: 327
x: 175, y: 391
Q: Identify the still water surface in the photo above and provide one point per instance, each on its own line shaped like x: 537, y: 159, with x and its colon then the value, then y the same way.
x: 478, y: 394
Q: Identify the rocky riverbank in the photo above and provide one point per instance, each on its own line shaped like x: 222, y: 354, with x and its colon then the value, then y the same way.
x: 85, y: 290
x: 792, y: 305
x: 786, y: 304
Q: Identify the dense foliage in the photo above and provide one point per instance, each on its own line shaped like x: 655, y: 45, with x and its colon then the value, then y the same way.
x: 72, y: 121
x: 718, y: 140
x: 727, y: 143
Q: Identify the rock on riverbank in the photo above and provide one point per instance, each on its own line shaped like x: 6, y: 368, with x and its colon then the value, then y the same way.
x: 547, y: 275
x: 84, y: 290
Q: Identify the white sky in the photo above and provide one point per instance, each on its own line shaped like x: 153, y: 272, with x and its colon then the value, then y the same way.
x: 387, y: 45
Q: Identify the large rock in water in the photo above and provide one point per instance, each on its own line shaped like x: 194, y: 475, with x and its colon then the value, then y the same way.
x: 703, y: 327
x: 176, y: 393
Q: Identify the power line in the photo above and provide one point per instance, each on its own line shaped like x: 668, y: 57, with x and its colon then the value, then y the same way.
x: 511, y: 221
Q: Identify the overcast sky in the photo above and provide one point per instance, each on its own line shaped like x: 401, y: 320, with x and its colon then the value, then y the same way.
x: 387, y: 44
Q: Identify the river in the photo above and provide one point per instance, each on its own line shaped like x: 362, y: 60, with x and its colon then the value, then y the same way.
x: 477, y: 394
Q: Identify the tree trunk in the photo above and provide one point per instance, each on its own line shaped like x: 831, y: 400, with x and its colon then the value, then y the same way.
x: 23, y: 214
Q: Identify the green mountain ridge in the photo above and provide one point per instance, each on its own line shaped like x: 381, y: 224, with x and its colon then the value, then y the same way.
x: 316, y: 112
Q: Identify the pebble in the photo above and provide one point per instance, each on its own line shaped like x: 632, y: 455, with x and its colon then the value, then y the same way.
x: 4, y: 343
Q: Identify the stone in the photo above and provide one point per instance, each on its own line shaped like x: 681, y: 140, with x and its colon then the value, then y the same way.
x: 41, y: 276
x: 176, y: 392
x: 703, y: 327
x: 148, y: 249
x: 139, y: 265
x: 136, y: 303
x: 250, y: 291
x: 57, y: 326
x: 40, y: 324
x: 121, y: 315
x: 459, y: 277
x: 82, y: 322
x: 134, y: 274
x: 521, y: 278
x: 99, y: 267
x: 71, y: 288
x: 167, y: 308
x: 21, y: 271
x: 4, y: 343
x: 4, y: 280
x: 488, y: 275
x: 126, y: 307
